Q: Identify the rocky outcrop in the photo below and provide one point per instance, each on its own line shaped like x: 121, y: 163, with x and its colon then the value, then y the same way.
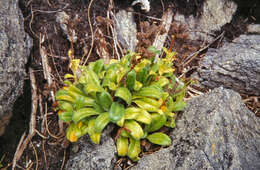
x: 89, y: 156
x: 214, y: 14
x: 216, y: 131
x: 15, y: 47
x: 236, y: 65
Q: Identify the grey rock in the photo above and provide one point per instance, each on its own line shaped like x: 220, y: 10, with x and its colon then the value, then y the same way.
x: 216, y: 131
x: 15, y: 47
x: 235, y: 65
x: 91, y: 156
x: 253, y: 28
x: 215, y: 14
x: 125, y: 28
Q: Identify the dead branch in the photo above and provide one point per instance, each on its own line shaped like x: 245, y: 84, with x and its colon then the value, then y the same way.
x: 24, y: 141
x: 166, y: 24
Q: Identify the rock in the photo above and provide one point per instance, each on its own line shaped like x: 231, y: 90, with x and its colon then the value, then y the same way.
x: 91, y: 156
x: 15, y: 47
x: 216, y: 131
x: 215, y: 14
x: 235, y: 65
x: 253, y: 28
x: 125, y: 28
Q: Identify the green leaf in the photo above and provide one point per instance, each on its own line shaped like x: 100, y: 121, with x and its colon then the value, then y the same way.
x: 116, y: 112
x: 134, y: 149
x: 132, y: 112
x: 124, y: 94
x: 142, y: 75
x: 65, y: 116
x: 131, y: 80
x: 98, y: 66
x: 150, y: 91
x: 179, y: 106
x: 101, y: 121
x: 83, y: 113
x: 122, y: 146
x: 147, y: 104
x: 67, y: 76
x: 158, y: 121
x: 65, y: 98
x: 95, y: 137
x: 138, y: 86
x: 90, y: 87
x: 135, y: 128
x: 162, y: 81
x: 105, y: 100
x: 144, y: 117
x: 66, y: 106
x: 170, y: 122
x: 159, y: 139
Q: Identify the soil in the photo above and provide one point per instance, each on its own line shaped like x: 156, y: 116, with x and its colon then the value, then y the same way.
x: 49, y: 149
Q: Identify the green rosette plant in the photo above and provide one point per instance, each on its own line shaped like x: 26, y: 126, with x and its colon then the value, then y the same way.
x: 134, y: 93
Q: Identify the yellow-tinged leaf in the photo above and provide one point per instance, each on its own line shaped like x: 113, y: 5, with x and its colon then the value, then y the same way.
x: 124, y: 94
x: 73, y: 137
x: 134, y: 149
x: 83, y: 113
x: 122, y: 146
x: 135, y: 128
x: 95, y: 137
x: 159, y: 139
x: 101, y: 121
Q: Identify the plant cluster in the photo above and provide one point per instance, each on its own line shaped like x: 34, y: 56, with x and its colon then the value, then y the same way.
x: 133, y: 93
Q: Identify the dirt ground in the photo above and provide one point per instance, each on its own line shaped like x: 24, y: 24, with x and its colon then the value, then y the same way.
x: 48, y: 148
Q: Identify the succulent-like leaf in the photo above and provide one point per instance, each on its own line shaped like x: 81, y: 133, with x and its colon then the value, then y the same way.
x: 101, y: 122
x: 170, y: 122
x: 116, y: 112
x: 105, y: 100
x: 152, y: 49
x: 122, y: 146
x: 159, y: 139
x: 157, y: 122
x: 65, y: 98
x: 121, y: 122
x: 98, y: 66
x: 146, y: 105
x: 83, y: 113
x: 134, y: 149
x: 144, y: 117
x: 179, y: 106
x: 89, y: 88
x: 70, y: 134
x: 95, y: 137
x: 65, y: 116
x: 150, y: 91
x: 66, y: 106
x: 132, y: 112
x: 131, y: 80
x: 138, y: 86
x: 135, y: 128
x: 142, y: 75
x: 124, y: 94
x: 162, y: 81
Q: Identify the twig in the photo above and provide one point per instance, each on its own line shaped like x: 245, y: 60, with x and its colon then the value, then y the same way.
x: 63, y: 160
x: 46, y: 68
x: 23, y: 143
x: 92, y: 33
x: 193, y: 55
x: 36, y: 155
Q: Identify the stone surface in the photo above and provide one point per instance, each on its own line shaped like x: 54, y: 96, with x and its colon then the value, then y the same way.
x: 15, y: 47
x: 215, y: 14
x: 125, y: 28
x: 235, y: 65
x: 216, y: 131
x: 91, y: 156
